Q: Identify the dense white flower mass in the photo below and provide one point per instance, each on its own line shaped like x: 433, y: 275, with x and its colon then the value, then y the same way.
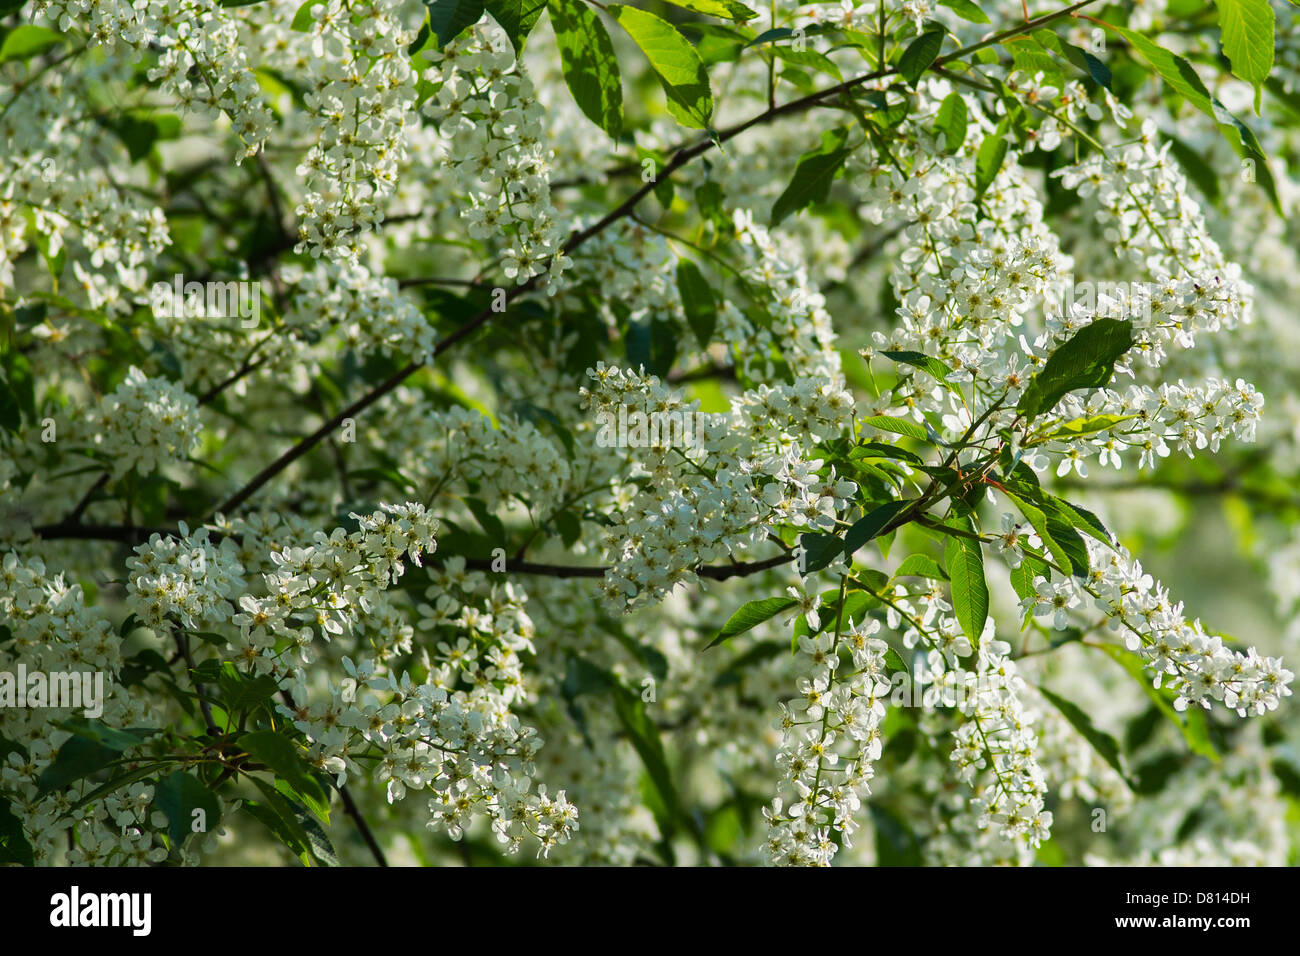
x: 839, y: 434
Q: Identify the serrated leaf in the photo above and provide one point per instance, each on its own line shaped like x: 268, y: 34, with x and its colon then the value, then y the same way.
x: 899, y: 426
x: 964, y: 560
x: 966, y: 10
x: 750, y: 615
x: 517, y: 18
x: 1191, y: 723
x: 876, y: 449
x: 951, y: 122
x: 1246, y: 28
x: 680, y: 70
x: 589, y: 63
x: 820, y: 549
x: 1086, y: 62
x: 1085, y: 361
x: 286, y: 760
x: 1091, y: 425
x: 921, y: 566
x: 926, y: 363
x: 918, y: 56
x: 723, y: 9
x: 697, y: 301
x: 448, y: 19
x: 1022, y: 578
x: 14, y: 847
x: 811, y: 182
x: 178, y: 795
x: 1182, y: 78
x: 870, y: 525
x: 1105, y: 745
x: 989, y: 159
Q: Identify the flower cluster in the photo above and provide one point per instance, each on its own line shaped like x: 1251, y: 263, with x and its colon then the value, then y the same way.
x: 830, y: 737
x: 360, y: 100
x: 365, y: 310
x: 202, y: 62
x: 998, y: 736
x: 1198, y: 666
x: 187, y: 577
x: 486, y: 109
x: 144, y: 423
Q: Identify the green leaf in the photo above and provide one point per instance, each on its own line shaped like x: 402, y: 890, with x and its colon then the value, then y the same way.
x: 1246, y: 28
x: 26, y: 41
x: 122, y: 780
x: 989, y: 159
x: 876, y: 449
x: 680, y: 70
x: 1182, y: 78
x: 750, y: 615
x: 918, y: 56
x: 1105, y: 745
x: 1079, y: 427
x: 1084, y: 60
x: 583, y: 677
x: 921, y: 566
x: 1196, y: 168
x: 813, y: 174
x: 1022, y: 578
x: 303, y: 19
x: 77, y: 758
x: 724, y: 9
x: 1086, y: 360
x: 247, y: 693
x: 870, y: 525
x: 951, y: 122
x: 317, y: 842
x: 820, y: 549
x: 970, y: 592
x: 926, y: 363
x: 178, y: 795
x: 14, y: 847
x: 1038, y: 520
x: 899, y: 426
x: 19, y: 372
x: 285, y: 760
x: 448, y: 19
x: 517, y: 18
x: 1084, y: 520
x: 896, y: 843
x: 644, y: 735
x: 139, y: 132
x: 285, y: 819
x: 966, y: 10
x: 589, y: 64
x: 11, y: 417
x: 697, y: 301
x: 1191, y: 724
